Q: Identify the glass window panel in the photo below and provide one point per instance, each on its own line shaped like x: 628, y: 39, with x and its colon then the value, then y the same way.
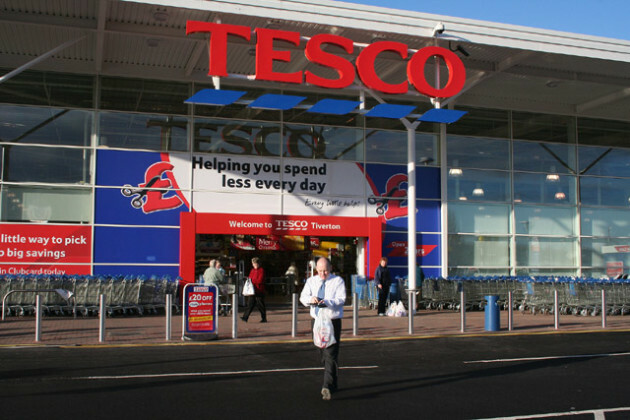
x: 605, y: 222
x: 478, y: 251
x: 477, y: 271
x: 556, y: 271
x: 20, y: 124
x: 481, y: 123
x: 539, y: 188
x: 57, y: 205
x: 540, y: 220
x: 471, y: 152
x: 604, y: 161
x: 606, y: 254
x: 543, y: 127
x: 386, y: 146
x: 48, y: 89
x: 323, y: 142
x: 545, y: 252
x: 544, y: 157
x: 603, y: 132
x: 477, y: 185
x: 478, y: 218
x: 605, y: 191
x: 237, y: 137
x: 143, y: 95
x: 427, y: 149
x: 138, y: 131
x: 46, y: 164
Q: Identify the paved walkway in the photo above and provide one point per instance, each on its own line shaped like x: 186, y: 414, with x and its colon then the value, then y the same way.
x: 151, y: 329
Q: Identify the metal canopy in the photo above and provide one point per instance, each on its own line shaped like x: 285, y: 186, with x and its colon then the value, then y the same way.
x: 508, y: 67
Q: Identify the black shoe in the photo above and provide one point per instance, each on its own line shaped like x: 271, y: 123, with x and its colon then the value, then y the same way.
x: 263, y: 320
x: 244, y: 319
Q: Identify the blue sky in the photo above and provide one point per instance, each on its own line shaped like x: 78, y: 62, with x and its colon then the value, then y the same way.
x: 608, y: 18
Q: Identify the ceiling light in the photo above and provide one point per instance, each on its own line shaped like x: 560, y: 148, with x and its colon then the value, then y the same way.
x: 553, y: 177
x: 560, y: 195
x: 478, y: 191
x: 455, y: 172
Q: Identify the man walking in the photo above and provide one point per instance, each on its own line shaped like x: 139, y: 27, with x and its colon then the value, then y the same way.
x: 326, y: 290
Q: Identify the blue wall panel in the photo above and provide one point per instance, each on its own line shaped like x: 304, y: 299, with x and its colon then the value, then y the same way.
x: 136, y: 245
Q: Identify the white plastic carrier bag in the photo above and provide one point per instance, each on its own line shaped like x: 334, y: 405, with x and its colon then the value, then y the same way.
x: 248, y: 288
x: 323, y: 330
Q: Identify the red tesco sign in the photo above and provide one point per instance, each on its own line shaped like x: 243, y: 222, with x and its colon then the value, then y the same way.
x: 315, y: 53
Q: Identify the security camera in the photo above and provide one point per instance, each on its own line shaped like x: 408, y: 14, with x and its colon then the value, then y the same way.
x: 438, y: 29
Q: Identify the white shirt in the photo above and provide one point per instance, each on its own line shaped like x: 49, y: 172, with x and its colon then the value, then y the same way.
x: 334, y: 294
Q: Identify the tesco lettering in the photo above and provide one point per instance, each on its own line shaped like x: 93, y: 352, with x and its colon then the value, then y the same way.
x: 292, y: 224
x: 315, y: 52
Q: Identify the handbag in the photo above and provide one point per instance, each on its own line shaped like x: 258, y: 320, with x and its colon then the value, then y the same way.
x: 248, y: 288
x: 323, y: 330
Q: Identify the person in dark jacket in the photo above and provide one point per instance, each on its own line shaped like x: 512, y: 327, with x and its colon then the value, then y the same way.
x: 383, y: 281
x: 257, y: 275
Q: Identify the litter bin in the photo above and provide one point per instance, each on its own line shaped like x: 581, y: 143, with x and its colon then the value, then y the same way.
x: 492, y: 313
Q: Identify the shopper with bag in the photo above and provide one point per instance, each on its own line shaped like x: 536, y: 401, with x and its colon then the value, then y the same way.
x: 257, y: 276
x: 383, y: 281
x: 325, y: 294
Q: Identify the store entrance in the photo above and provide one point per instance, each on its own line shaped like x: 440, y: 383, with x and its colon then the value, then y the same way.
x: 353, y: 244
x: 276, y: 254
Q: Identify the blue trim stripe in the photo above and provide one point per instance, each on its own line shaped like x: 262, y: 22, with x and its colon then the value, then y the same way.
x: 334, y: 106
x: 325, y: 106
x: 390, y: 111
x: 277, y: 102
x: 215, y: 97
x: 439, y: 115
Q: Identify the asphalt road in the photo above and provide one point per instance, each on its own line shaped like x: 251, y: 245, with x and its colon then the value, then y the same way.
x: 442, y: 378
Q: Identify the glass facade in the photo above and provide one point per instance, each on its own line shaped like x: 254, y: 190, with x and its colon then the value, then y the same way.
x: 525, y: 193
x: 563, y: 205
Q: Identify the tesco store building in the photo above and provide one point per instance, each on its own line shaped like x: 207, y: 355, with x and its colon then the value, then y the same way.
x: 149, y: 137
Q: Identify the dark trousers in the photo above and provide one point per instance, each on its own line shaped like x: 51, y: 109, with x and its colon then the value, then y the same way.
x: 259, y: 302
x: 382, y: 299
x: 329, y: 357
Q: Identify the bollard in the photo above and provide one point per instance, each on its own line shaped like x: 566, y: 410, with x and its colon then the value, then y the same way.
x: 604, y: 308
x: 355, y: 313
x: 234, y: 315
x: 462, y: 311
x: 38, y: 319
x: 556, y: 312
x: 101, y: 329
x: 169, y: 310
x: 294, y: 315
x: 510, y: 312
x: 410, y: 310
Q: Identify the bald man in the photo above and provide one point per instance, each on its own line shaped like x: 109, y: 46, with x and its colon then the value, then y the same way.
x: 326, y: 290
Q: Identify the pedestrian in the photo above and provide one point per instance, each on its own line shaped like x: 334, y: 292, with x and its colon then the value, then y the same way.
x: 257, y: 276
x: 383, y: 281
x: 213, y: 275
x: 326, y: 290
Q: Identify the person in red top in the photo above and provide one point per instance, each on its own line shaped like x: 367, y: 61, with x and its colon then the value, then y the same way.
x: 257, y: 274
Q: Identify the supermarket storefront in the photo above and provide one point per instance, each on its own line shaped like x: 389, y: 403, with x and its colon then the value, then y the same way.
x: 124, y: 142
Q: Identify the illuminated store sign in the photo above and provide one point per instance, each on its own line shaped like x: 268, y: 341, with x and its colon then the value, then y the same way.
x: 315, y: 53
